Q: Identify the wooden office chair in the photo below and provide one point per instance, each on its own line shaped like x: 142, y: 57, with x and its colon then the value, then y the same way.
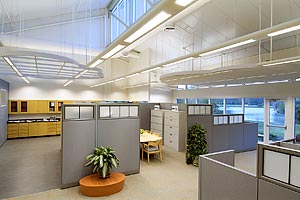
x: 152, y: 148
x: 154, y: 133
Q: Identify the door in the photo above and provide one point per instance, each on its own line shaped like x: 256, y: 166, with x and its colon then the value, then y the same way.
x: 276, y: 123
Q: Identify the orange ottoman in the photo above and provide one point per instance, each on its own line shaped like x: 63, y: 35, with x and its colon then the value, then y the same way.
x: 92, y: 186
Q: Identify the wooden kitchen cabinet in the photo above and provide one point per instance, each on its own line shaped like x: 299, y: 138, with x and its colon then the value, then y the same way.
x: 12, y: 130
x: 58, y: 128
x: 33, y: 106
x: 43, y: 128
x: 43, y: 106
x: 13, y: 107
x: 23, y: 106
x: 51, y: 128
x: 23, y: 130
x: 33, y: 129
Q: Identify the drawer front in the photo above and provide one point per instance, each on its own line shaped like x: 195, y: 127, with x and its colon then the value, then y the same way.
x: 23, y: 133
x: 172, y: 122
x: 157, y: 113
x: 12, y: 134
x: 157, y: 120
x: 13, y: 127
x: 171, y: 129
x: 170, y: 142
x: 156, y: 127
x: 172, y: 115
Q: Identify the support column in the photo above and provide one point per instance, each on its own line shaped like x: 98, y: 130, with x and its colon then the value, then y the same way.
x: 289, y: 118
x: 266, y: 120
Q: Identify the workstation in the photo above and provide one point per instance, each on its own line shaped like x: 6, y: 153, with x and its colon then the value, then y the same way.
x: 137, y: 76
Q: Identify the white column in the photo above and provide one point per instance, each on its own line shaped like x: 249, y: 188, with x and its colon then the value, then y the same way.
x: 266, y: 120
x: 289, y: 118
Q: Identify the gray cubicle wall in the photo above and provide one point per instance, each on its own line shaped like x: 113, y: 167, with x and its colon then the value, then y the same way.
x: 219, y: 179
x: 145, y: 115
x: 224, y: 132
x: 118, y: 127
x: 78, y: 140
x: 4, y: 93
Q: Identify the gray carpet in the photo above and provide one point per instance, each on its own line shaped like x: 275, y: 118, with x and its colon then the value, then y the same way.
x: 29, y: 165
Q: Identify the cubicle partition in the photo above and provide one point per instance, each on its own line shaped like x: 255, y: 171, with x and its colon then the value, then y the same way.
x: 219, y: 179
x: 224, y: 132
x: 278, y: 171
x: 118, y: 127
x: 77, y: 141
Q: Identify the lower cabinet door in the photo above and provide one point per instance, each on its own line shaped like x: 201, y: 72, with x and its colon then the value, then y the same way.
x: 33, y: 129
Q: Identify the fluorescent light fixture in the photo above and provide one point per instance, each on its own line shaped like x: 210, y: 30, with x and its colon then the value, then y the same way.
x: 81, y: 73
x: 11, y: 64
x: 132, y: 75
x: 234, y: 85
x: 282, y: 81
x: 25, y: 79
x: 297, y: 79
x: 287, y: 30
x: 118, y: 79
x: 280, y: 63
x: 179, y: 61
x: 68, y: 83
x: 217, y: 86
x: 8, y: 61
x: 255, y: 83
x: 159, y: 18
x: 97, y: 62
x: 228, y: 47
x: 183, y: 2
x: 113, y: 51
x: 150, y: 70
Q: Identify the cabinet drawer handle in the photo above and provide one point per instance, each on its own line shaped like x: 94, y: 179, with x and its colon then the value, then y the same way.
x: 170, y: 126
x: 170, y: 141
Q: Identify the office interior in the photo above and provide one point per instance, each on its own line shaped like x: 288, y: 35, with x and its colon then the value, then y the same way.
x: 108, y: 68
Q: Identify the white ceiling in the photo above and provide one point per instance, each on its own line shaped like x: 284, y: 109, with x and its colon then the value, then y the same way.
x: 216, y: 22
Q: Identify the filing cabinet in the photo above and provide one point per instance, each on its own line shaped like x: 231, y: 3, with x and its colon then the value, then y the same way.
x: 175, y: 128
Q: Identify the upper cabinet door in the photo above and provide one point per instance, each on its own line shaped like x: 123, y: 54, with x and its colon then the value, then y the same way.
x: 13, y: 107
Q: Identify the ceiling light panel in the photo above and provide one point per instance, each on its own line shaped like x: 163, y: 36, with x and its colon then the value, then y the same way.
x: 287, y: 30
x: 183, y: 2
x: 97, y: 62
x: 68, y: 83
x: 159, y: 18
x: 228, y: 47
x: 112, y: 52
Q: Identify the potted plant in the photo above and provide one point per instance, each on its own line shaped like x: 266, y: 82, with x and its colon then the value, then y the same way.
x: 196, y: 144
x: 103, y: 159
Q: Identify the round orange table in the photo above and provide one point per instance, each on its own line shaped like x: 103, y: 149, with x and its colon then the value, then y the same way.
x: 92, y: 186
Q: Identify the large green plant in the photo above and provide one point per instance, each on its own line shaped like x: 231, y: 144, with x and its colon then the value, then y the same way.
x: 103, y: 159
x: 196, y: 143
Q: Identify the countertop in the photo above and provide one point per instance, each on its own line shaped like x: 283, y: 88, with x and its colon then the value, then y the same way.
x: 32, y: 120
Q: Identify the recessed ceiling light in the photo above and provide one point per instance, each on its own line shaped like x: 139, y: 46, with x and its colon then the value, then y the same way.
x: 113, y: 51
x: 228, y: 47
x: 97, y: 62
x: 68, y: 83
x: 159, y: 18
x: 183, y: 2
x: 287, y: 30
x: 25, y: 79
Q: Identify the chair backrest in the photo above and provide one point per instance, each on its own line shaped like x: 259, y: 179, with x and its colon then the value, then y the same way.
x: 298, y: 138
x: 156, y: 143
x: 154, y: 133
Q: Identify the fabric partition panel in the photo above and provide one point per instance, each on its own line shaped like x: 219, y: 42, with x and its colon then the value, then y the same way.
x: 145, y: 115
x: 78, y: 141
x: 250, y: 136
x: 123, y: 135
x: 236, y: 137
x: 271, y: 191
x: 214, y: 181
x: 226, y: 157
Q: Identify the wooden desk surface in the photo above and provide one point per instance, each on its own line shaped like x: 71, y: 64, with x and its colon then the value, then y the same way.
x: 146, y: 137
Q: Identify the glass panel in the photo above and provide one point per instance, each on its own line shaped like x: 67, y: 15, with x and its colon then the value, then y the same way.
x: 115, y: 111
x: 191, y: 101
x: 180, y: 101
x: 277, y: 120
x: 218, y: 106
x: 86, y: 112
x: 202, y: 101
x: 208, y: 110
x: 231, y: 119
x: 191, y: 110
x: 297, y: 116
x: 198, y: 108
x: 104, y: 111
x: 234, y: 106
x: 72, y: 112
x: 124, y: 111
x: 134, y: 111
x: 255, y: 112
x: 295, y: 172
x: 216, y: 120
x: 3, y: 99
x: 276, y: 165
x: 225, y: 120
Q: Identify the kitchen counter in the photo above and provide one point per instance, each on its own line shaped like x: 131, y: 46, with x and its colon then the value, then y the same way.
x: 32, y: 120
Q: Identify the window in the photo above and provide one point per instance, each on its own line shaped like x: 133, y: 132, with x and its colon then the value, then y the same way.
x: 218, y: 106
x: 191, y: 101
x: 254, y: 112
x: 128, y: 11
x: 297, y: 116
x: 202, y: 101
x: 182, y: 101
x: 233, y: 106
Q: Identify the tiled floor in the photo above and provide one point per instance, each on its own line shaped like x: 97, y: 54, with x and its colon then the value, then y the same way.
x: 171, y: 179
